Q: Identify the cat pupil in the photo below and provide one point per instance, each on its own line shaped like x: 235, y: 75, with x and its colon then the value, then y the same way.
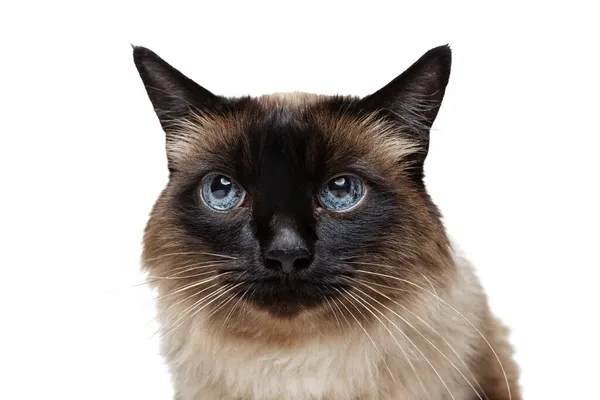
x: 339, y: 187
x: 340, y: 181
x: 220, y: 187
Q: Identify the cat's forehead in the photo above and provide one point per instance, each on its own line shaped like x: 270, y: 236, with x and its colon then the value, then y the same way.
x: 290, y: 99
x: 307, y: 129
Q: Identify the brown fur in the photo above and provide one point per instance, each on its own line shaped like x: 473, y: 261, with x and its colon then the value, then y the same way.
x: 213, y: 360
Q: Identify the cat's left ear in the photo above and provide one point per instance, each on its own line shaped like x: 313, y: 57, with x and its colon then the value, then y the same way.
x: 414, y: 97
x: 173, y: 95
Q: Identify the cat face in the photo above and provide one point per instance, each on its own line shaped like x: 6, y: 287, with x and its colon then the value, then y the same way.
x: 290, y: 203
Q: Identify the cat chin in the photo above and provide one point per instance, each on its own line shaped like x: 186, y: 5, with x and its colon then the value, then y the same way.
x: 285, y: 311
x: 284, y: 304
x: 285, y: 324
x: 286, y: 321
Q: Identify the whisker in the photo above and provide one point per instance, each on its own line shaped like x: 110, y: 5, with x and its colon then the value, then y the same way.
x: 419, y: 350
x: 337, y: 320
x: 154, y: 279
x: 187, y: 287
x: 432, y: 288
x: 182, y: 318
x: 223, y: 304
x: 335, y: 303
x: 191, y: 296
x: 161, y: 298
x: 308, y: 321
x: 459, y: 313
x: 188, y: 253
x: 398, y: 343
x: 434, y: 330
x: 171, y: 277
x: 244, y: 315
x: 237, y: 279
x: 195, y: 266
x: 229, y: 288
x: 234, y: 307
x: 142, y: 283
x: 423, y: 336
x: 367, y: 333
x: 190, y: 286
x: 188, y: 268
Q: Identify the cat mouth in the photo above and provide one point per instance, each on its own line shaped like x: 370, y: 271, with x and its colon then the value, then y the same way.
x: 284, y: 280
x: 285, y: 296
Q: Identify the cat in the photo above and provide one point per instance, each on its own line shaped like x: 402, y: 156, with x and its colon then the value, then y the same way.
x: 298, y: 255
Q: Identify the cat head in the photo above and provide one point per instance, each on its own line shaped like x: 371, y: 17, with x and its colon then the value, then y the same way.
x: 296, y: 204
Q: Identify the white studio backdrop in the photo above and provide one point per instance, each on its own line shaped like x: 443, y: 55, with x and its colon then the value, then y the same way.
x: 513, y: 166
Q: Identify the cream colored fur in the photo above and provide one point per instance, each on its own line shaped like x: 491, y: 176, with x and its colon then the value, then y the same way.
x: 341, y: 366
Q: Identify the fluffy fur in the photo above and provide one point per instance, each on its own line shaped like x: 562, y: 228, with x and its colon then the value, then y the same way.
x: 387, y: 309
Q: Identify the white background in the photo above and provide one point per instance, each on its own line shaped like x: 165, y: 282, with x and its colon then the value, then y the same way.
x: 513, y: 166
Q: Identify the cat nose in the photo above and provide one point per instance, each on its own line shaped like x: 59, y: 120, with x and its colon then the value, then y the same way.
x: 288, y: 260
x: 287, y: 252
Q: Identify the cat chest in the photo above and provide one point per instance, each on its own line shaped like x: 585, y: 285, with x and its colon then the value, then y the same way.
x: 311, y: 372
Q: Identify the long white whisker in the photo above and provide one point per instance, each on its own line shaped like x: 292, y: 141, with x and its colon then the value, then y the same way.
x: 187, y: 253
x: 166, y: 278
x: 234, y: 307
x: 230, y: 298
x: 432, y: 288
x: 160, y: 298
x: 460, y: 314
x: 223, y: 304
x: 423, y: 336
x: 229, y: 288
x: 191, y: 296
x: 337, y: 320
x: 419, y: 350
x: 191, y: 285
x: 335, y: 303
x: 250, y: 296
x: 182, y: 318
x: 367, y: 333
x: 308, y: 321
x: 430, y: 327
x: 395, y: 340
x: 195, y: 266
x: 154, y: 279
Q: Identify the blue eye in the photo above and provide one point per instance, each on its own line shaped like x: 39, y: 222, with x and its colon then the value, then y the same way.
x: 342, y: 193
x: 221, y: 193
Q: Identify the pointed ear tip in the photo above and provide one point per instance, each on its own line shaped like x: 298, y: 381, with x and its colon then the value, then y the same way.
x: 440, y: 56
x: 444, y: 51
x: 141, y: 51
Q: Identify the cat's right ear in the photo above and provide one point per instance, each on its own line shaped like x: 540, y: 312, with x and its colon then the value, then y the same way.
x: 174, y: 96
x: 415, y: 96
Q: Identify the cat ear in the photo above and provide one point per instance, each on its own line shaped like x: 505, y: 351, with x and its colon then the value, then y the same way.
x: 414, y: 97
x: 173, y: 95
